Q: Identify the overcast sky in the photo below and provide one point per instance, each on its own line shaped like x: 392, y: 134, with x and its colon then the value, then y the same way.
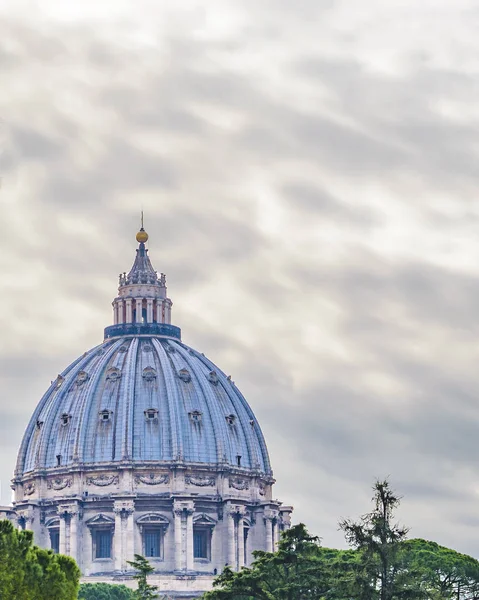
x: 309, y: 174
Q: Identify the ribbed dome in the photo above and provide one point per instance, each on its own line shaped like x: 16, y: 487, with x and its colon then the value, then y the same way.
x: 142, y: 399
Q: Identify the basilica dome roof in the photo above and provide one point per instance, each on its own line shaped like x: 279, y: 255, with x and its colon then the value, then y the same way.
x: 142, y: 397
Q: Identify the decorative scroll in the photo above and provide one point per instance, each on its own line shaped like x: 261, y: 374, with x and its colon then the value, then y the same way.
x: 29, y: 489
x: 102, y: 480
x: 59, y: 484
x: 150, y: 479
x: 239, y: 484
x: 200, y: 481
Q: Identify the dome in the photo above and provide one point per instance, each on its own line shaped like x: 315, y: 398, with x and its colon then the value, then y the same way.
x: 144, y: 446
x: 144, y: 399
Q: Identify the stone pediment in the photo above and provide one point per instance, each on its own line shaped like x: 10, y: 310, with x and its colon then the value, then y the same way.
x: 152, y: 519
x: 100, y: 519
x: 203, y: 519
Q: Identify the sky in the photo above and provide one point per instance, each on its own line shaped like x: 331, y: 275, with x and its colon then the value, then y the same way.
x: 309, y: 175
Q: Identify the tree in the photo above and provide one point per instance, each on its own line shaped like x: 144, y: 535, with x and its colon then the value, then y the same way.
x: 105, y: 591
x: 30, y: 573
x: 378, y: 539
x: 441, y: 573
x: 143, y: 568
x: 294, y: 572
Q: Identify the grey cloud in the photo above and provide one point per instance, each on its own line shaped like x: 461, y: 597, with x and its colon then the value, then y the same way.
x: 148, y: 111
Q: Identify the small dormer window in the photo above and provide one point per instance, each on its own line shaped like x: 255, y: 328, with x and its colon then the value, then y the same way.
x: 65, y: 419
x: 195, y: 416
x: 184, y: 375
x: 105, y: 415
x: 39, y: 424
x: 149, y: 374
x: 238, y: 460
x: 230, y: 419
x: 213, y: 377
x: 113, y: 374
x: 151, y: 414
x: 59, y: 460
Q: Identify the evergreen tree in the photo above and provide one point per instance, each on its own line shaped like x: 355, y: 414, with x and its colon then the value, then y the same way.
x: 143, y: 568
x: 379, y: 573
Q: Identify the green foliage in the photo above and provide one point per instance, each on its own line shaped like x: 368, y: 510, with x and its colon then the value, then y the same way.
x: 440, y: 572
x: 143, y: 569
x: 383, y: 565
x: 291, y: 573
x: 378, y: 539
x: 105, y: 591
x: 30, y: 573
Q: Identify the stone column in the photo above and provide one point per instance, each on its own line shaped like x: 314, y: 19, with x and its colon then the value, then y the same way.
x: 183, y: 511
x: 74, y: 518
x: 240, y: 542
x: 63, y: 535
x: 139, y: 304
x: 129, y: 312
x: 120, y: 312
x: 115, y: 313
x: 189, y: 540
x: 118, y: 539
x: 178, y: 558
x: 130, y: 532
x: 158, y: 311
x: 149, y: 310
x: 231, y: 559
x: 268, y: 521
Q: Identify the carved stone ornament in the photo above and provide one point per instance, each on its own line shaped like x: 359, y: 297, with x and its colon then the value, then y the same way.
x: 59, y: 483
x: 213, y: 377
x: 149, y: 374
x: 261, y: 489
x: 239, y: 484
x: 102, y: 480
x: 113, y: 374
x: 82, y: 378
x: 200, y: 480
x: 126, y: 507
x: 29, y: 489
x: 184, y: 375
x: 152, y: 479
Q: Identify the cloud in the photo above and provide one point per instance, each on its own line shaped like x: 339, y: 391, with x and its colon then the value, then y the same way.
x: 309, y: 182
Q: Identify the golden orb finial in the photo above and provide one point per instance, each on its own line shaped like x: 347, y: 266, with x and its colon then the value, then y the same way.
x: 142, y: 236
